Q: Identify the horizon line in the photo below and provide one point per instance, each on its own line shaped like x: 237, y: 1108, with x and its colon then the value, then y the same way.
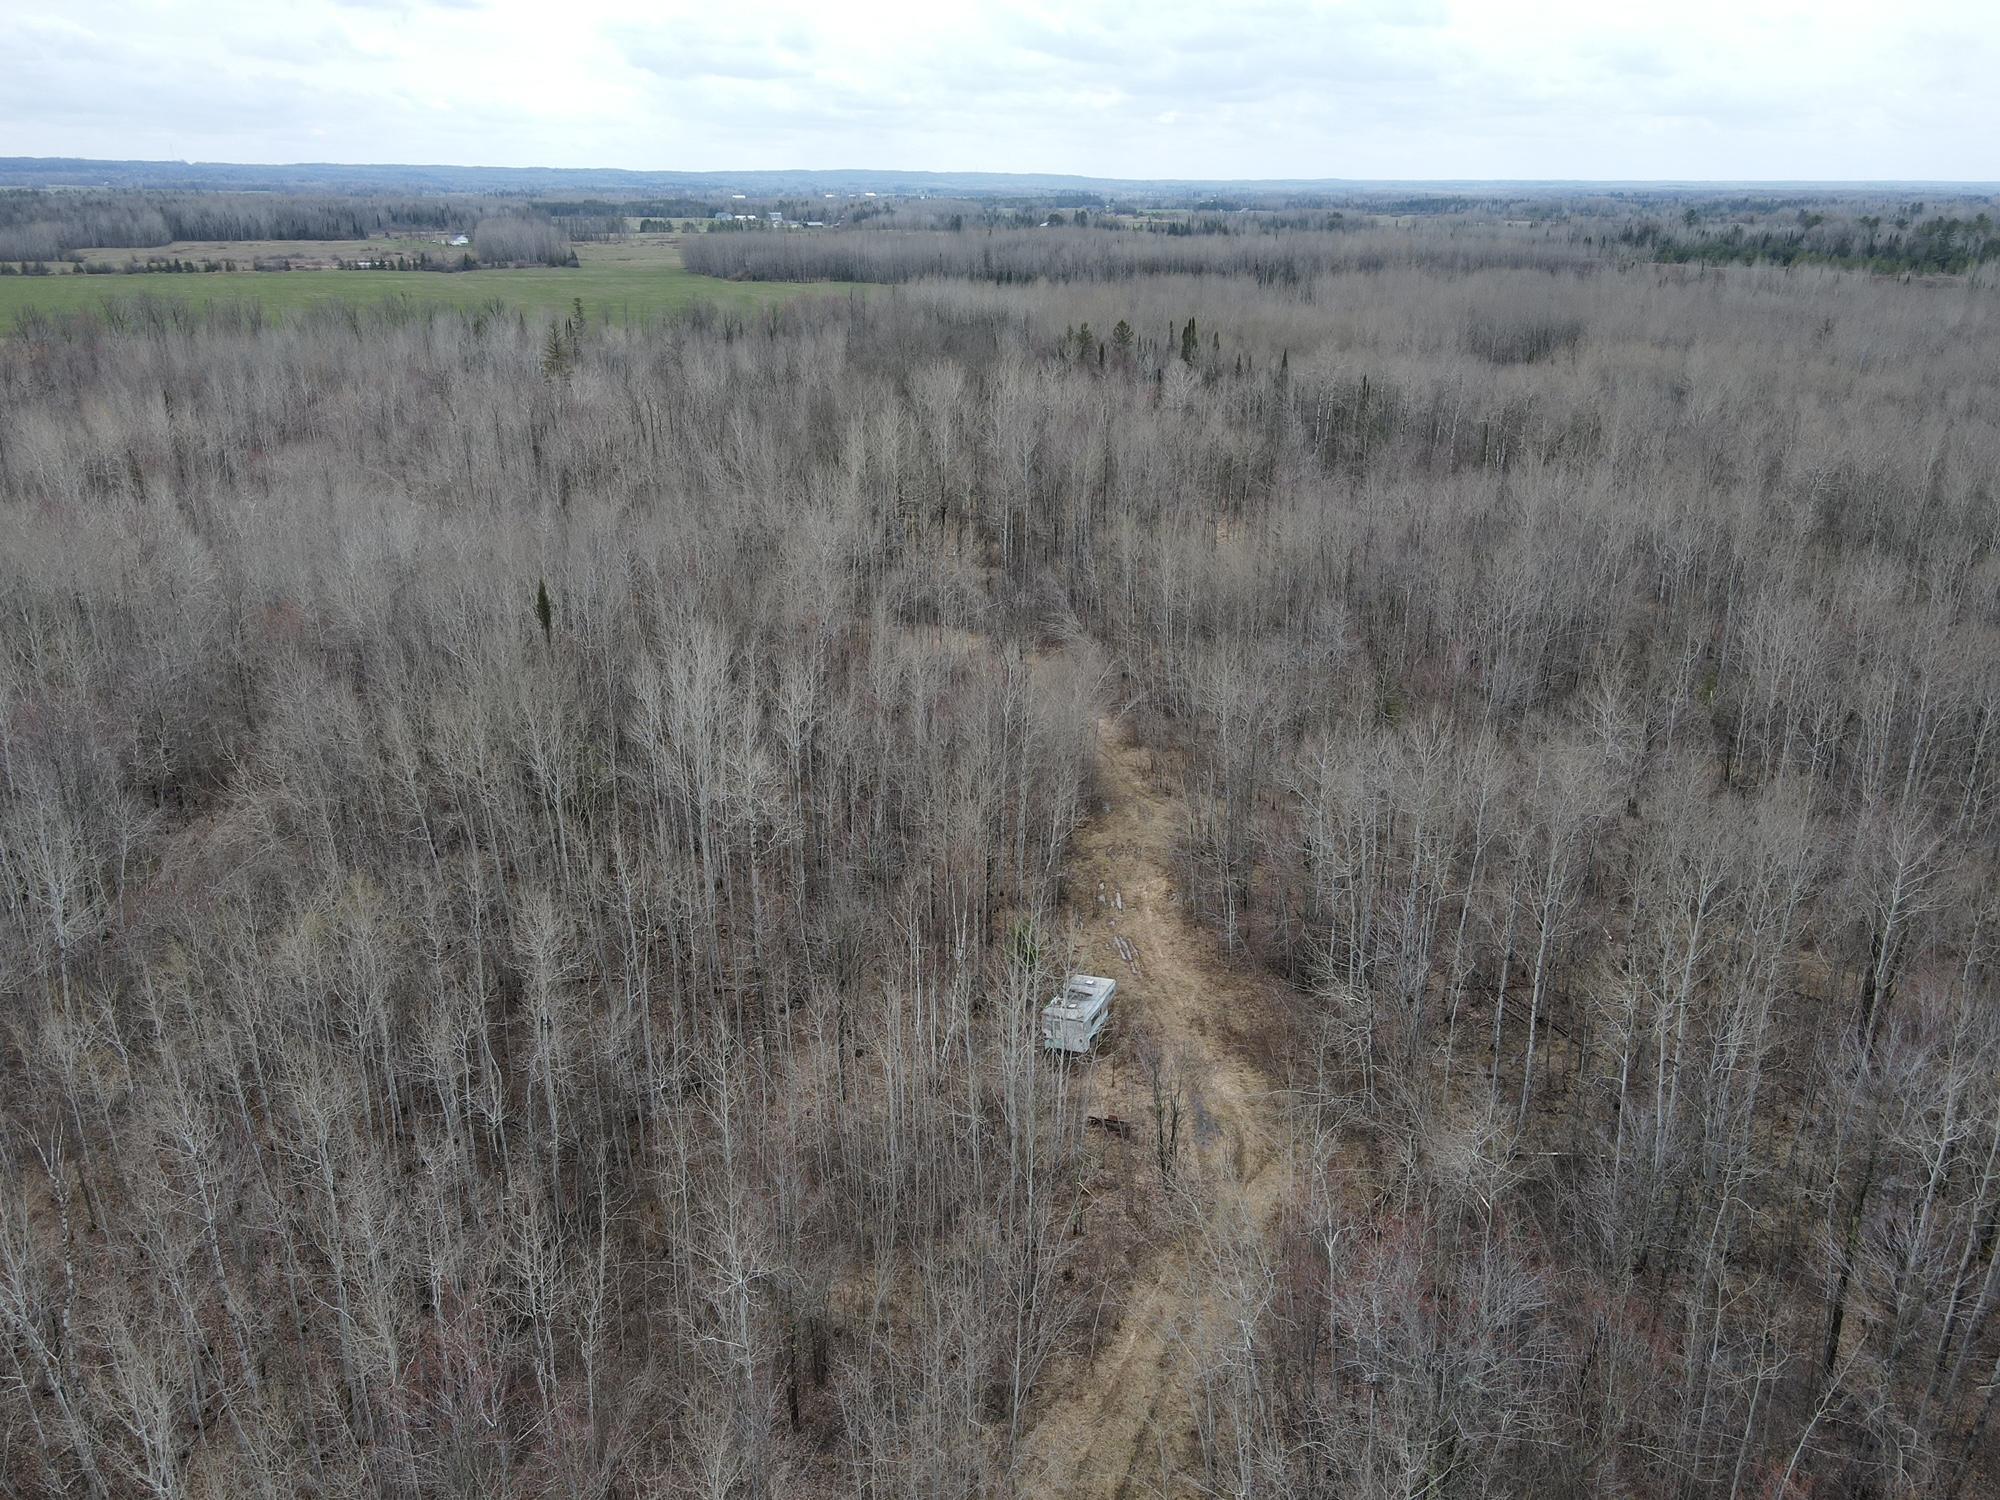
x: 1279, y: 182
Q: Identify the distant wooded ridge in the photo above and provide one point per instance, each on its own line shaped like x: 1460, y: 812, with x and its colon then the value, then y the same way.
x: 67, y: 171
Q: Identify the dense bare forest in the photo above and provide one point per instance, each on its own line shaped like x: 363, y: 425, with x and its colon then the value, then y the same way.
x: 532, y: 857
x: 50, y: 226
x: 1070, y: 254
x: 1275, y: 245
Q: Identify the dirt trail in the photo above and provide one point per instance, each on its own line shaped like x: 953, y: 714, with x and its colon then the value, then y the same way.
x: 1111, y: 1424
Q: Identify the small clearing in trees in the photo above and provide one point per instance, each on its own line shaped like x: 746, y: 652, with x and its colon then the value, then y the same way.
x: 1118, y: 1422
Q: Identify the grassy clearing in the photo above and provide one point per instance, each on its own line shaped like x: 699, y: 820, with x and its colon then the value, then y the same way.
x: 244, y: 251
x: 627, y: 282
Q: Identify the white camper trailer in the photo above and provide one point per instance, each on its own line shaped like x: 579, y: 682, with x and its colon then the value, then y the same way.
x: 1071, y: 1021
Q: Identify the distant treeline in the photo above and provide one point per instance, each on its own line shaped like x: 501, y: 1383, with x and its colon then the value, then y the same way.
x: 1943, y: 244
x: 49, y: 226
x: 1212, y: 246
x: 517, y: 239
x: 590, y: 227
x: 1069, y: 254
x: 673, y: 207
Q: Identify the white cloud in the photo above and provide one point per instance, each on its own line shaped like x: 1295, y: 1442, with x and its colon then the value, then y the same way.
x: 1275, y: 88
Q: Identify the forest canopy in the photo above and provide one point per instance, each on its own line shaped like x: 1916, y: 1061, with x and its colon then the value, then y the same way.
x: 531, y: 852
x: 38, y: 225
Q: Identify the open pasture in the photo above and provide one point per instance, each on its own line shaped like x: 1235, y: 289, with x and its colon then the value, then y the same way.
x: 623, y: 282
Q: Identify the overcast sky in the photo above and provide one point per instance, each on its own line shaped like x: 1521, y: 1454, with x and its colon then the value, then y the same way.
x: 1150, y: 88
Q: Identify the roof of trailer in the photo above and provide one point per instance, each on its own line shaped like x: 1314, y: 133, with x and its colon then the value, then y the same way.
x: 1080, y: 994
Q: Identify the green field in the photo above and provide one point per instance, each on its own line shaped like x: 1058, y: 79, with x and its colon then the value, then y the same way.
x: 623, y: 283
